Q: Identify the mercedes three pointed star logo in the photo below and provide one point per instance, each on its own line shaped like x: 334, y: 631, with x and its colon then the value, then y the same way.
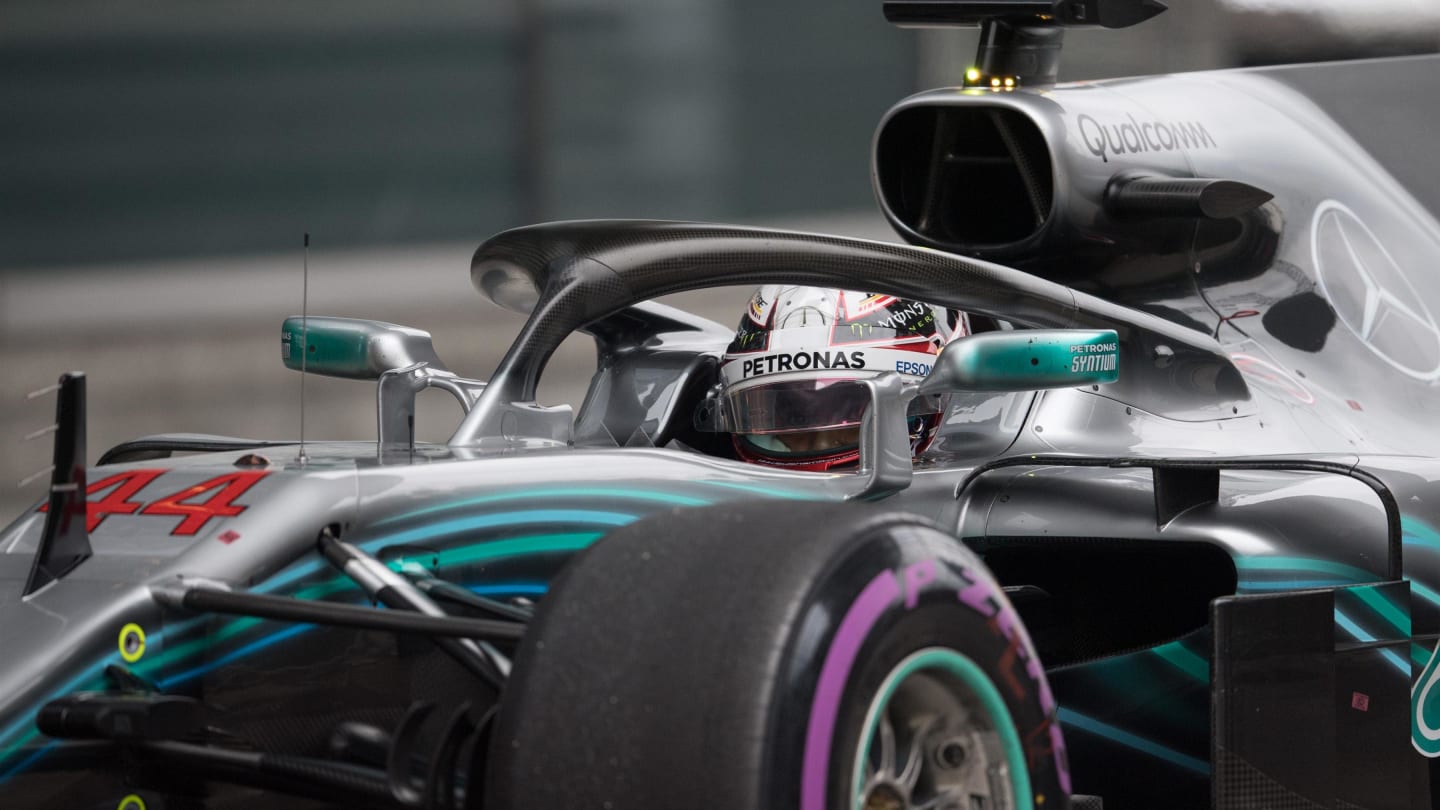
x: 1370, y: 293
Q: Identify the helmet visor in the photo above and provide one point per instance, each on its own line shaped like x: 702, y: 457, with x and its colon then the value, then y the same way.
x: 794, y: 405
x: 803, y: 443
x: 779, y: 407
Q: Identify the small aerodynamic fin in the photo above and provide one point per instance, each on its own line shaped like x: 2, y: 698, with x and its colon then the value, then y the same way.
x: 65, y: 540
x: 1143, y: 197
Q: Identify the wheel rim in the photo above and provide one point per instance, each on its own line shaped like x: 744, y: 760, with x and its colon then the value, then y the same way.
x: 937, y: 736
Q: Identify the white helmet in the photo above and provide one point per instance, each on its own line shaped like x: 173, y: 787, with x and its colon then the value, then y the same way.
x: 789, y: 393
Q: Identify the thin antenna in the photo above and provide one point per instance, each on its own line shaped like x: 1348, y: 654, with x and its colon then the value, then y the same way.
x: 304, y: 343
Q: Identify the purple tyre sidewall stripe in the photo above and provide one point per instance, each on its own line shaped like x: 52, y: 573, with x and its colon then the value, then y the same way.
x: 882, y: 592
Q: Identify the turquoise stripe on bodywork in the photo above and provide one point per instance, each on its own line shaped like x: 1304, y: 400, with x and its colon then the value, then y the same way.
x: 655, y: 496
x: 518, y: 589
x: 1117, y: 735
x: 1424, y: 593
x: 477, y: 522
x: 30, y: 760
x: 1183, y: 659
x: 1419, y: 654
x: 1348, y: 572
x: 518, y: 547
x: 1247, y: 585
x: 1416, y: 532
x: 235, y: 655
x: 1359, y: 633
x: 1383, y: 607
x: 499, y: 520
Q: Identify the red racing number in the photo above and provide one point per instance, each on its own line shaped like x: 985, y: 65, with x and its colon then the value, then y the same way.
x: 220, y: 504
x: 117, y: 501
x: 121, y: 487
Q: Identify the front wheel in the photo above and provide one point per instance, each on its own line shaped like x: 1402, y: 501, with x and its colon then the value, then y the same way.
x: 819, y: 656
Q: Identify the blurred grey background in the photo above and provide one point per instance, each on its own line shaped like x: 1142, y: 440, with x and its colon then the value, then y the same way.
x: 160, y: 159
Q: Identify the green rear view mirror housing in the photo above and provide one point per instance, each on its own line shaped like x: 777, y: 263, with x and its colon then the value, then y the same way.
x: 352, y: 348
x: 1026, y: 360
x: 404, y: 363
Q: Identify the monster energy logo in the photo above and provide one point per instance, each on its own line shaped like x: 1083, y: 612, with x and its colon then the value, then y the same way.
x: 903, y: 317
x: 747, y: 339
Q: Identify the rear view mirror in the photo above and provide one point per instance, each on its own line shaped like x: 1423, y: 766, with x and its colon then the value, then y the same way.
x: 353, y: 348
x: 1026, y: 360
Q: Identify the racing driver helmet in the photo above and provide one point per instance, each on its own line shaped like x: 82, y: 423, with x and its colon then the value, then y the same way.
x: 790, y: 382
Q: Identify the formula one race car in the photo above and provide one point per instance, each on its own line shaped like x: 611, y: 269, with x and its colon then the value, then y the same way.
x: 1175, y: 542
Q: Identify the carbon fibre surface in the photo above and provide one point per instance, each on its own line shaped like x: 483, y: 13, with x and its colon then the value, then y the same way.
x: 1238, y: 785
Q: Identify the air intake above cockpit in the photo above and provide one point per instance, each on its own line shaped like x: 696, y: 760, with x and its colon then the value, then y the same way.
x: 964, y: 178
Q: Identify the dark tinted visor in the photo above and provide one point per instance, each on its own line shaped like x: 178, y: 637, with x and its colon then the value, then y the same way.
x: 792, y: 405
x: 795, y: 405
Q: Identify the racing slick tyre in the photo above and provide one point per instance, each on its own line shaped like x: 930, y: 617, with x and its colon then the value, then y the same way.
x: 777, y: 656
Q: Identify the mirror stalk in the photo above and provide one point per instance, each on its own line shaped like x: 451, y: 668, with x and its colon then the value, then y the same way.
x: 885, y: 456
x: 395, y: 404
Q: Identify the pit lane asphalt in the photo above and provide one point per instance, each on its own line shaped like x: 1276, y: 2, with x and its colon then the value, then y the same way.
x: 194, y: 346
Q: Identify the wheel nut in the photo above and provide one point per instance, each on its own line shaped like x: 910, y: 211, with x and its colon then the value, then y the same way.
x: 950, y: 754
